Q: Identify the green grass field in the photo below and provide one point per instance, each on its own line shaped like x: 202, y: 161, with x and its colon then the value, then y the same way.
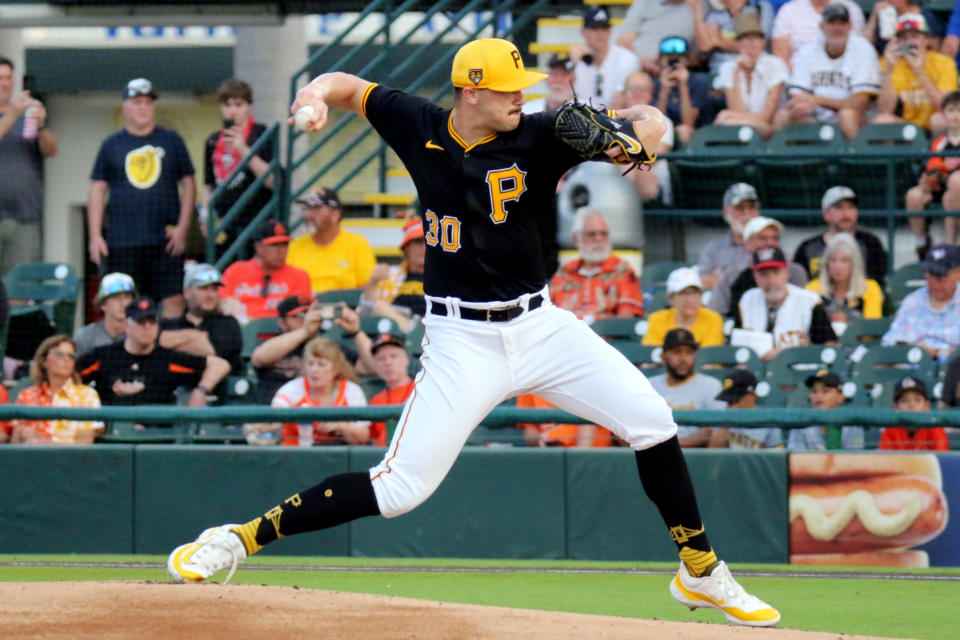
x: 901, y: 607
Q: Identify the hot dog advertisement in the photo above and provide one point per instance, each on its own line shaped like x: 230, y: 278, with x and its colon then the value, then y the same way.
x: 865, y: 509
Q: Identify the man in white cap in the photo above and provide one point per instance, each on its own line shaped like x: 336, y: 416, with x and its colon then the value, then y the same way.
x: 726, y: 256
x: 686, y: 311
x: 839, y: 206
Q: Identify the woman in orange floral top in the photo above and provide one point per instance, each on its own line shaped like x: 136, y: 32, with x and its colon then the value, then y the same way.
x: 57, y: 385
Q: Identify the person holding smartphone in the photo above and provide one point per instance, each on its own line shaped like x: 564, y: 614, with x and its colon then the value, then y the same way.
x: 682, y: 97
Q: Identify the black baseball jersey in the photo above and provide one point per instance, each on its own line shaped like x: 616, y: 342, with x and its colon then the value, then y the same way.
x: 484, y: 204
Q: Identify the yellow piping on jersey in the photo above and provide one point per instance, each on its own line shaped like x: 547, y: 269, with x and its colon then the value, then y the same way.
x: 461, y: 141
x: 363, y: 98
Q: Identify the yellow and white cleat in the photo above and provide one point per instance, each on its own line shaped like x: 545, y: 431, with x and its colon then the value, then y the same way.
x: 721, y: 592
x: 216, y: 549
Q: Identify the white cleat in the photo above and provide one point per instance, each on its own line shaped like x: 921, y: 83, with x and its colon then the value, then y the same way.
x: 216, y: 549
x: 721, y: 592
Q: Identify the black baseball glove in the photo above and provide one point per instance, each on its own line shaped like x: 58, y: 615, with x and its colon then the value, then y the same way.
x: 591, y: 132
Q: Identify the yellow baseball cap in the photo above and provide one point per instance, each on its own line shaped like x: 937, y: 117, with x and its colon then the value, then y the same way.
x: 492, y: 63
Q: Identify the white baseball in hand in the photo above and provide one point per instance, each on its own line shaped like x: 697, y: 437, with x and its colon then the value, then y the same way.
x: 304, y: 117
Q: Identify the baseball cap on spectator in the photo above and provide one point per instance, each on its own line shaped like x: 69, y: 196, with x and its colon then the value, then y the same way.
x: 680, y: 279
x: 139, y: 87
x: 737, y: 384
x: 826, y: 377
x: 412, y: 230
x: 596, y: 18
x: 836, y: 11
x: 142, y: 307
x: 385, y: 339
x: 739, y: 192
x: 833, y: 195
x: 912, y: 22
x: 758, y: 224
x: 557, y: 60
x: 272, y: 232
x: 112, y: 283
x: 768, y: 258
x: 324, y: 196
x: 910, y: 384
x: 941, y: 259
x: 492, y: 63
x: 679, y: 337
x: 292, y: 305
x: 747, y: 23
x: 201, y: 275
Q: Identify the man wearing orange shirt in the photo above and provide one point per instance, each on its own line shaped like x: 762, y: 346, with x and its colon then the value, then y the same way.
x: 392, y: 364
x: 910, y: 394
x: 553, y: 434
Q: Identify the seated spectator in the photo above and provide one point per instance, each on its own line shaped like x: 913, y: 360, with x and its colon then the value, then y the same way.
x: 914, y: 79
x: 793, y: 316
x: 939, y: 182
x: 396, y: 291
x: 558, y: 434
x: 601, y: 65
x: 116, y: 291
x: 740, y: 392
x: 928, y: 316
x: 392, y: 364
x: 726, y: 257
x: 327, y: 380
x: 683, y: 388
x: 826, y: 392
x: 839, y: 206
x: 680, y: 96
x: 686, y: 311
x: 797, y: 24
x: 834, y: 77
x: 138, y: 371
x: 253, y: 288
x: 910, y: 394
x: 559, y: 83
x: 843, y: 284
x: 598, y: 284
x: 761, y: 232
x: 880, y: 31
x: 279, y: 359
x: 645, y: 23
x: 203, y: 330
x: 56, y: 384
x: 716, y: 32
x: 653, y: 184
x: 751, y: 79
x: 335, y: 258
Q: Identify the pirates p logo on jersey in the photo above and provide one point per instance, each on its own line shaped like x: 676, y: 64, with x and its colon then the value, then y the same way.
x: 143, y: 166
x: 475, y: 76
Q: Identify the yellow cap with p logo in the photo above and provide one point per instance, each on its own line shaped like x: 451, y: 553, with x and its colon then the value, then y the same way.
x: 492, y: 63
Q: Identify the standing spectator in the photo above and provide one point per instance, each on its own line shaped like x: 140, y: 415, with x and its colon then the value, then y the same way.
x: 392, y: 364
x: 716, y: 32
x: 834, y: 77
x: 116, y: 291
x: 927, y: 317
x: 559, y: 434
x: 938, y: 182
x: 793, y: 316
x: 559, y: 82
x: 751, y: 81
x: 396, y: 291
x: 203, y: 329
x: 139, y: 371
x: 682, y: 387
x: 142, y: 185
x: 726, y: 257
x: 740, y: 392
x: 25, y: 141
x: 680, y: 96
x: 910, y: 394
x: 843, y: 284
x: 826, y: 392
x: 597, y: 284
x: 56, y: 384
x: 913, y: 78
x: 645, y: 23
x: 223, y: 151
x: 880, y: 31
x: 840, y: 212
x: 253, y: 288
x: 602, y: 66
x: 686, y: 311
x: 335, y: 258
x: 797, y: 24
x: 653, y: 184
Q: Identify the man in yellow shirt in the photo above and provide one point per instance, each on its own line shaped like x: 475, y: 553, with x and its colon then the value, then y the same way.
x: 686, y: 311
x: 913, y: 76
x: 335, y: 258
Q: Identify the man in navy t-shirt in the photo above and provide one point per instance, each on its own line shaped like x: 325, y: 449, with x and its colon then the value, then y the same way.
x: 143, y: 191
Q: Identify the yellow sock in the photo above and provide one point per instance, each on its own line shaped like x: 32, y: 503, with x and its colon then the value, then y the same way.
x: 697, y: 562
x: 248, y: 534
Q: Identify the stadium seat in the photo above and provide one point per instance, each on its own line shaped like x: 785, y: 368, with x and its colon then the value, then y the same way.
x: 47, y: 287
x: 853, y: 395
x: 886, y: 365
x: 864, y: 331
x: 799, y: 183
x: 255, y: 331
x: 794, y: 365
x: 770, y: 395
x: 698, y: 181
x: 719, y: 361
x: 868, y: 175
x: 904, y: 280
x: 415, y: 340
x: 655, y: 301
x: 372, y: 385
x: 350, y: 296
x: 646, y: 358
x: 375, y: 325
x: 655, y: 274
x: 620, y: 328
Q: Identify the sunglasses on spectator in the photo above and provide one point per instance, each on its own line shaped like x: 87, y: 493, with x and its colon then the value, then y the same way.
x: 675, y: 46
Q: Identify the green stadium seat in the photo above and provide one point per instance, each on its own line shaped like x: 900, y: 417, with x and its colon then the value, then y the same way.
x: 904, y: 280
x: 35, y: 288
x: 886, y: 365
x: 864, y: 331
x: 255, y: 331
x: 799, y: 183
x: 698, y: 181
x: 350, y: 296
x: 376, y: 325
x: 655, y: 274
x: 721, y: 360
x: 415, y: 340
x: 868, y: 175
x: 794, y: 365
x: 620, y: 328
x: 655, y: 301
x: 770, y: 395
x: 646, y: 358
